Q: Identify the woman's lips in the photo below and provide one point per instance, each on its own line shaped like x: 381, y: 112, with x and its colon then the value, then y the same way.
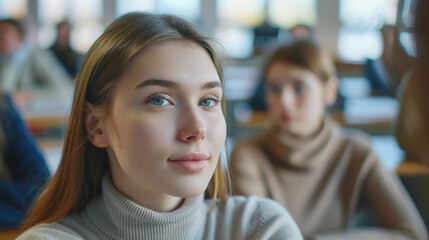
x: 286, y: 118
x: 191, y: 162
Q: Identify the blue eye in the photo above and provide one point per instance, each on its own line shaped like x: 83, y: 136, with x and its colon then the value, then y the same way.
x: 300, y: 87
x: 209, y: 102
x: 159, y: 101
x: 274, y: 88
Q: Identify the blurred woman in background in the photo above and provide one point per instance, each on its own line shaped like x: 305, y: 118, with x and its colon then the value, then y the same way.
x: 412, y: 127
x: 321, y: 173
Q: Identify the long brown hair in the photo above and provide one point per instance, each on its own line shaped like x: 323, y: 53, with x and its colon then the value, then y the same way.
x: 78, y: 178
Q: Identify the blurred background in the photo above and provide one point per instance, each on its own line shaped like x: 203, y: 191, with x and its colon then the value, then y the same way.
x: 338, y: 25
x: 350, y: 30
x: 371, y: 41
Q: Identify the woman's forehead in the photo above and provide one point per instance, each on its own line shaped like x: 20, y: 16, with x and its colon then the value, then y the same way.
x: 175, y: 61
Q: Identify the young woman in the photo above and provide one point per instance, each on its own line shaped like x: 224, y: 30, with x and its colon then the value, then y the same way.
x: 23, y: 170
x: 143, y: 143
x: 319, y: 172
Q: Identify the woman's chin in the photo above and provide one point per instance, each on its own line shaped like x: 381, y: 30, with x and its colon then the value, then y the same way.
x: 285, y: 128
x: 189, y: 191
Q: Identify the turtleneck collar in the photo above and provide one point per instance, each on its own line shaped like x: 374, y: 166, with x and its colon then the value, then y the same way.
x: 299, y: 153
x: 119, y: 217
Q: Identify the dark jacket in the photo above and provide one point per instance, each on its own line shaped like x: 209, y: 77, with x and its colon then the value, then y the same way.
x: 25, y: 166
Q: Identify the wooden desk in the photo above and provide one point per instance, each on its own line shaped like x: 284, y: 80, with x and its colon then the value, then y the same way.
x: 262, y: 119
x: 45, y: 113
x: 412, y: 168
x: 9, y: 234
x: 44, y: 122
x: 338, y: 116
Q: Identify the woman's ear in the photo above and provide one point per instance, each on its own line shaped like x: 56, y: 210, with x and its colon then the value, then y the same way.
x: 93, y: 126
x: 331, y: 91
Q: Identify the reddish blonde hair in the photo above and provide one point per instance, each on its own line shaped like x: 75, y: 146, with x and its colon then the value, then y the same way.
x: 78, y: 178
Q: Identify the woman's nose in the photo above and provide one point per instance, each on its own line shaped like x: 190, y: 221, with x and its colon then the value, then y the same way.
x: 192, y: 126
x: 288, y: 99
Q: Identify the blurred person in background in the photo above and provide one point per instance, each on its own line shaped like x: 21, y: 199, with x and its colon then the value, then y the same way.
x: 321, y: 173
x: 301, y: 32
x: 297, y: 33
x: 266, y: 38
x: 63, y: 51
x: 412, y: 127
x: 23, y: 170
x: 381, y: 72
x: 26, y: 72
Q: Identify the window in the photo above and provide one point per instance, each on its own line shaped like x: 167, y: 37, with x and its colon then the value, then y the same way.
x: 406, y: 25
x: 189, y: 9
x: 359, y: 37
x: 84, y: 16
x: 237, y: 20
x: 241, y: 12
x: 16, y: 9
x: 237, y: 41
x: 125, y: 6
x: 408, y: 13
x: 288, y: 13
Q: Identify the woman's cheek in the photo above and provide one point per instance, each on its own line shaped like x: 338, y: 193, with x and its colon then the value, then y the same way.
x: 271, y: 103
x: 314, y: 107
x: 216, y: 131
x: 219, y: 130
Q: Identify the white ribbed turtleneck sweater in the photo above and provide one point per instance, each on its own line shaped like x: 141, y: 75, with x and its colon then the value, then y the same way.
x: 113, y: 216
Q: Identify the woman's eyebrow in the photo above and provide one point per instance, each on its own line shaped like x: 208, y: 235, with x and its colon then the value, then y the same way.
x: 175, y: 85
x: 158, y: 82
x: 210, y: 85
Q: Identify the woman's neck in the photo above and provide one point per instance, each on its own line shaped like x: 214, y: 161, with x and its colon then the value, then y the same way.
x: 304, y: 135
x: 299, y: 153
x: 147, y: 198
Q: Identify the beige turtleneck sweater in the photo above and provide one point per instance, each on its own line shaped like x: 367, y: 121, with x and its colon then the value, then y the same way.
x: 113, y: 216
x: 323, y: 180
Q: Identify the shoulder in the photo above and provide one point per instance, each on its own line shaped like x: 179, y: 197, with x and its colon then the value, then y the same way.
x: 354, y: 135
x: 5, y: 103
x: 357, y: 146
x: 247, y: 152
x: 49, y: 231
x: 262, y: 208
x: 37, y: 52
x: 355, y: 139
x: 249, y: 142
x: 41, y: 57
x: 263, y: 218
x: 249, y: 146
x: 9, y: 114
x: 6, y: 98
